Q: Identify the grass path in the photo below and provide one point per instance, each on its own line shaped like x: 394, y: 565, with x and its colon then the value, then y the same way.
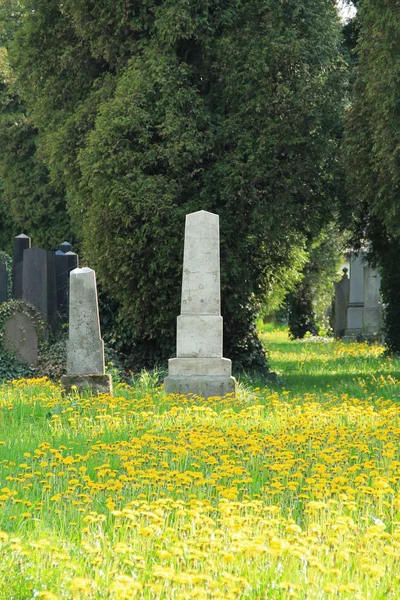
x: 320, y: 364
x: 282, y: 492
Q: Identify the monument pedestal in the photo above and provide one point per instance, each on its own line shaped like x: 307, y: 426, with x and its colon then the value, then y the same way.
x: 200, y: 385
x: 200, y: 368
x: 203, y: 377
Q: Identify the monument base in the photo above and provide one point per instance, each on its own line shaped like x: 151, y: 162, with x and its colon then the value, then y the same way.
x: 97, y: 384
x: 200, y: 385
x: 361, y: 336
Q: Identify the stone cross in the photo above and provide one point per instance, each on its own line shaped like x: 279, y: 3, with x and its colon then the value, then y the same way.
x: 199, y: 367
x: 85, y: 348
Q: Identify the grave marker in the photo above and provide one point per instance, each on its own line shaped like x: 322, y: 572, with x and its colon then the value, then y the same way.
x: 85, y: 348
x: 199, y: 367
x: 20, y: 336
x: 342, y: 295
x: 21, y: 243
x: 66, y: 261
x: 39, y: 283
x: 3, y: 283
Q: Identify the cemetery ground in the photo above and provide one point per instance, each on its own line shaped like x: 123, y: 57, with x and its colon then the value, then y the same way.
x: 290, y: 490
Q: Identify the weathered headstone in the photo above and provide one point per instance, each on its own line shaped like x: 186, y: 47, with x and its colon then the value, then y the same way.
x: 21, y: 243
x: 364, y: 314
x: 66, y: 261
x: 85, y: 349
x: 3, y: 283
x: 39, y: 283
x: 342, y: 295
x: 199, y: 367
x: 20, y: 336
x: 373, y: 309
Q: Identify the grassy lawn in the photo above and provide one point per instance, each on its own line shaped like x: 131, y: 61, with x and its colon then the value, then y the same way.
x: 286, y: 491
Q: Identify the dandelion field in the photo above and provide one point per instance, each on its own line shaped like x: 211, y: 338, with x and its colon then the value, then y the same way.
x: 290, y: 490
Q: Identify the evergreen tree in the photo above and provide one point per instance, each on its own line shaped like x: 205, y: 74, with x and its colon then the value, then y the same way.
x: 373, y: 148
x: 148, y: 110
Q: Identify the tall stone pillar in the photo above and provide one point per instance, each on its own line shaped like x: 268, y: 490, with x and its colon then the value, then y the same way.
x: 373, y: 308
x: 85, y: 348
x: 39, y: 283
x: 342, y: 294
x: 356, y: 300
x: 66, y: 261
x: 3, y: 283
x: 21, y: 242
x: 199, y: 367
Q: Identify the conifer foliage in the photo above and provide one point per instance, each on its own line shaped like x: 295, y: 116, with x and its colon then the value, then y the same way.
x: 146, y: 110
x: 373, y: 148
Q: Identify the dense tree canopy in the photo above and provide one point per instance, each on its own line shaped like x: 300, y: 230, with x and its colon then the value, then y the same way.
x: 373, y: 147
x: 144, y: 111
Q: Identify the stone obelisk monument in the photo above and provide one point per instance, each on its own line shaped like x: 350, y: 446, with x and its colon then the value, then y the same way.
x: 199, y: 367
x: 85, y: 348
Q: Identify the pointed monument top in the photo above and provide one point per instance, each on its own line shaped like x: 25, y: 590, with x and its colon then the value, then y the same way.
x: 22, y: 235
x: 65, y: 247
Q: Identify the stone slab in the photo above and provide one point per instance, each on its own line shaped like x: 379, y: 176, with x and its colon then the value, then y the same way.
x: 65, y: 263
x: 354, y: 318
x: 357, y: 266
x: 342, y: 296
x: 85, y: 348
x: 3, y: 283
x: 372, y: 320
x: 204, y: 386
x: 201, y: 269
x: 200, y: 366
x: 21, y: 243
x: 39, y: 283
x: 96, y: 384
x: 20, y: 336
x: 199, y: 336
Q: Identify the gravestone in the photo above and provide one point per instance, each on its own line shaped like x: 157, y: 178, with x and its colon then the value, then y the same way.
x: 21, y: 243
x: 199, y: 367
x: 364, y: 314
x: 342, y: 295
x: 372, y: 321
x: 356, y: 299
x: 85, y: 348
x: 39, y: 283
x: 21, y: 338
x: 3, y: 283
x: 66, y: 261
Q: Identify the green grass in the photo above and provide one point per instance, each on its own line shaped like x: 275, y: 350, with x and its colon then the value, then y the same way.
x: 322, y: 364
x: 287, y: 490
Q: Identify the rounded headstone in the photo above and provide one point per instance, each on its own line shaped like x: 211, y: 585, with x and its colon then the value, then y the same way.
x: 20, y: 336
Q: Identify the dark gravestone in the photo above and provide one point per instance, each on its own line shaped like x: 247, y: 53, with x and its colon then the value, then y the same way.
x: 66, y: 261
x: 3, y: 283
x: 21, y: 338
x: 21, y: 243
x: 39, y: 283
x: 64, y: 247
x: 342, y: 296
